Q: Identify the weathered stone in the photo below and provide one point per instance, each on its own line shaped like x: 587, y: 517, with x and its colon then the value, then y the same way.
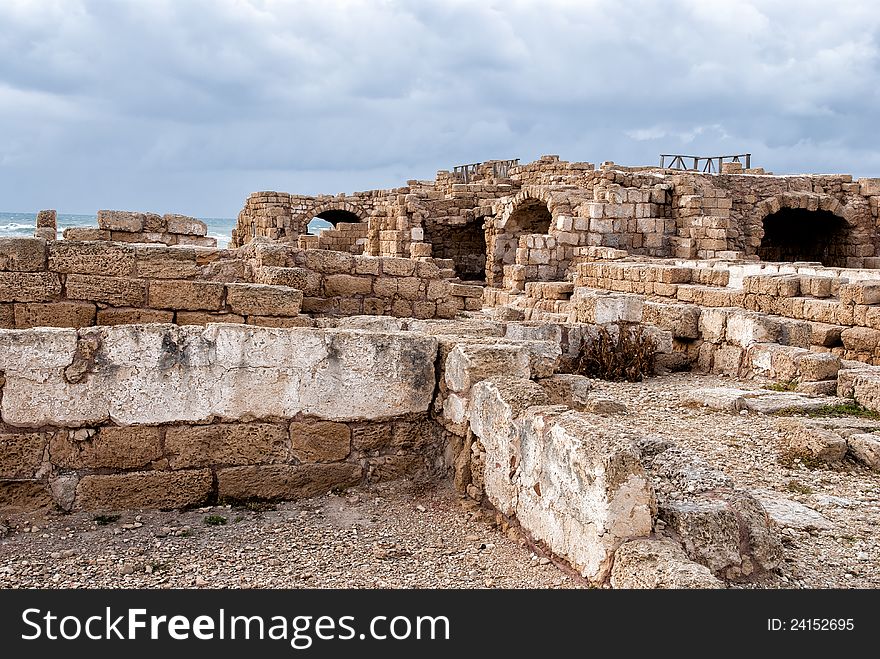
x: 22, y: 254
x: 21, y: 454
x: 86, y: 233
x: 92, y: 258
x: 129, y: 316
x: 120, y: 221
x: 205, y: 317
x: 165, y: 490
x: 570, y: 390
x: 186, y: 295
x: 273, y: 482
x: 370, y: 436
x: 658, y: 564
x: 54, y: 314
x: 185, y: 225
x: 791, y: 514
x: 604, y: 406
x: 467, y: 364
x: 581, y: 518
x: 817, y: 366
x: 263, y: 300
x: 813, y: 441
x: 23, y: 495
x: 29, y: 287
x: 63, y: 490
x: 347, y: 285
x: 115, y: 291
x: 159, y: 262
x: 320, y: 441
x: 299, y: 278
x: 226, y: 444
x: 865, y: 448
x: 111, y: 447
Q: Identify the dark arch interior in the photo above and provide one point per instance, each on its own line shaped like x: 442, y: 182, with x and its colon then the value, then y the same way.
x: 532, y: 216
x: 336, y: 216
x: 796, y: 234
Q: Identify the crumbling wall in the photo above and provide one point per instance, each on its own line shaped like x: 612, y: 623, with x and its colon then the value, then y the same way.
x: 160, y: 416
x: 134, y: 227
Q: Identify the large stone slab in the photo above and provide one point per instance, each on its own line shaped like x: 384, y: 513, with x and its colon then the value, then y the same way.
x: 646, y: 563
x: 154, y: 374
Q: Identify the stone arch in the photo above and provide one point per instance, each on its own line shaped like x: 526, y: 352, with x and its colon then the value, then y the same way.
x: 339, y: 210
x: 803, y: 226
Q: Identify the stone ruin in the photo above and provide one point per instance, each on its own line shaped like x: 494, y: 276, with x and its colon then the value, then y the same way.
x: 434, y: 333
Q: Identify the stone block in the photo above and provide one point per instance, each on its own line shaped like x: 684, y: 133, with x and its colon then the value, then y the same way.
x: 110, y: 447
x: 468, y: 364
x: 29, y: 287
x: 165, y: 490
x: 320, y: 441
x: 263, y: 300
x: 275, y: 482
x: 817, y: 366
x: 186, y: 295
x: 86, y: 233
x: 205, y: 317
x: 299, y: 278
x: 23, y: 254
x: 92, y: 258
x: 130, y: 316
x: 184, y: 225
x: 347, y: 285
x: 226, y: 444
x: 54, y: 314
x: 328, y: 262
x: 120, y: 221
x: 865, y: 448
x: 812, y: 440
x: 396, y: 267
x: 159, y: 262
x: 652, y: 564
x: 115, y: 291
x: 21, y: 454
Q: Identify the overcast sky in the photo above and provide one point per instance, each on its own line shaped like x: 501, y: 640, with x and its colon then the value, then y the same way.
x: 189, y: 105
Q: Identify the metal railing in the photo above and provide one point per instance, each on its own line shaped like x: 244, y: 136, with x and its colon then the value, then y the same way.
x: 705, y: 164
x: 500, y: 169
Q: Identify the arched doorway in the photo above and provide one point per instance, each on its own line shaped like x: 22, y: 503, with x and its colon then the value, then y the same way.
x: 531, y: 216
x: 330, y: 218
x: 797, y: 234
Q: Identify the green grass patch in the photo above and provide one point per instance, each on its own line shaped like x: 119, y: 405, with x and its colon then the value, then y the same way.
x: 783, y: 385
x: 215, y: 520
x: 845, y: 409
x: 798, y: 488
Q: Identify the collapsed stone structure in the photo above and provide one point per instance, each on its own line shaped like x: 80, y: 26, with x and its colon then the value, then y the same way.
x: 435, y: 331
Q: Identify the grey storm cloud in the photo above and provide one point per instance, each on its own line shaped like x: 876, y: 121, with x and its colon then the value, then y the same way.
x: 189, y: 105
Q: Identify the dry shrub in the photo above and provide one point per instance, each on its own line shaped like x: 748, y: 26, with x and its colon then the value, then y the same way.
x: 631, y: 357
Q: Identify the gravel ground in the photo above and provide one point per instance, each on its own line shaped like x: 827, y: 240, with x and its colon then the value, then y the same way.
x: 401, y: 535
x: 395, y: 535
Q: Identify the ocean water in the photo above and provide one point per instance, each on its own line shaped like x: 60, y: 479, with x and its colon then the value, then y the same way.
x: 23, y: 224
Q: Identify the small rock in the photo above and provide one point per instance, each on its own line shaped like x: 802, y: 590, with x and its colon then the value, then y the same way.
x: 788, y: 513
x: 421, y: 508
x: 201, y: 582
x: 543, y: 561
x: 605, y: 406
x: 55, y: 555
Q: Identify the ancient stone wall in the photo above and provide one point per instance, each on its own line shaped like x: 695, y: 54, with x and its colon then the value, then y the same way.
x: 160, y: 416
x: 133, y: 227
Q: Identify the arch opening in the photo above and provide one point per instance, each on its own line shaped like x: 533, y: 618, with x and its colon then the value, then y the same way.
x: 465, y: 245
x: 329, y: 219
x: 531, y: 216
x: 797, y: 234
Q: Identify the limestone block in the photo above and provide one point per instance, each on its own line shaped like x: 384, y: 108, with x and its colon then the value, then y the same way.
x: 22, y: 254
x: 272, y: 482
x: 745, y: 329
x: 159, y: 262
x: 682, y: 320
x: 865, y: 448
x: 370, y: 436
x: 186, y: 295
x: 21, y: 454
x: 860, y: 339
x: 713, y: 323
x: 185, y: 225
x: 817, y: 366
x: 205, y: 317
x: 120, y: 221
x: 116, y: 291
x: 145, y: 489
x: 578, y: 489
x: 109, y: 447
x: 602, y: 308
x: 263, y: 300
x: 647, y: 563
x: 329, y: 262
x: 29, y: 287
x: 570, y: 390
x: 299, y: 278
x: 130, y: 316
x: 92, y: 258
x: 467, y: 364
x: 791, y: 514
x: 86, y: 233
x: 320, y: 441
x: 54, y: 314
x: 812, y: 440
x: 24, y: 495
x: 47, y: 219
x: 397, y: 267
x: 226, y: 444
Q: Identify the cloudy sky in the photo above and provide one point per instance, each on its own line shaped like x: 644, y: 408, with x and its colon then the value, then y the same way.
x: 189, y: 105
